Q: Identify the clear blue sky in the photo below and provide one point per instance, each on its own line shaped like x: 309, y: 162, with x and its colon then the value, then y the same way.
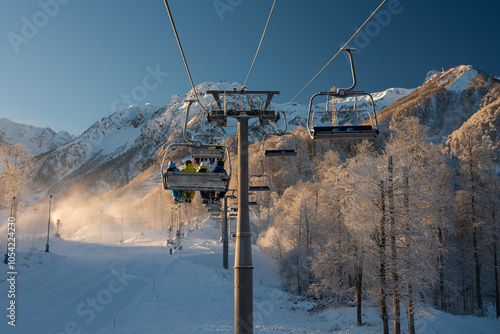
x: 66, y: 66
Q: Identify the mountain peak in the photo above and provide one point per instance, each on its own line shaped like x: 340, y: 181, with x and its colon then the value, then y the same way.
x: 444, y: 102
x: 456, y: 79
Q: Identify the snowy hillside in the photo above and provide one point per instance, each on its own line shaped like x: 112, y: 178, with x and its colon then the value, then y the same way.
x: 445, y: 101
x: 83, y: 286
x: 38, y: 140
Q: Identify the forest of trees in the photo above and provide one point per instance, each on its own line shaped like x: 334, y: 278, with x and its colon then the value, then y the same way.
x: 15, y: 169
x: 398, y: 222
x: 401, y: 223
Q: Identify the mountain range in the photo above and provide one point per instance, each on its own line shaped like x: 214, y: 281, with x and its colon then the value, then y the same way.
x: 130, y: 142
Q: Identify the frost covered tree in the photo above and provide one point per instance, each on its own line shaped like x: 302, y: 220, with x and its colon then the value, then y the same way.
x: 15, y: 168
x: 294, y: 235
x: 476, y: 153
x: 417, y: 170
x: 332, y: 265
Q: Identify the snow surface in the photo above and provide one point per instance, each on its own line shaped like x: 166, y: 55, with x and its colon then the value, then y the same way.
x: 460, y: 79
x: 82, y: 286
x: 463, y: 81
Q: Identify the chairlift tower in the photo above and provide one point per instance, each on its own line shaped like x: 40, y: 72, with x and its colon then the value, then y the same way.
x: 243, y: 105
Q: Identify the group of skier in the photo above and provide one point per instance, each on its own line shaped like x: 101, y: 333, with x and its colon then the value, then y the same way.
x: 186, y: 196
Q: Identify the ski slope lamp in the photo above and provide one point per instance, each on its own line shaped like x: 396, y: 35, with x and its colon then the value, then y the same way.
x: 121, y: 240
x: 48, y: 226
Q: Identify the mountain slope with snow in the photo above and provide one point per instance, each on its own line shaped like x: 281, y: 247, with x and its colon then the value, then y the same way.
x: 119, y: 147
x: 444, y: 102
x: 38, y: 140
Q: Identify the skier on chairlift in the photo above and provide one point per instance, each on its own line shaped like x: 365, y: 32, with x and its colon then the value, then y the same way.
x: 205, y: 195
x: 176, y: 194
x: 188, y: 195
x: 219, y: 168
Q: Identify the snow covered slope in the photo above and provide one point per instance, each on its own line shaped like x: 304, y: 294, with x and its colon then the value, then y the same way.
x: 82, y: 286
x: 445, y: 101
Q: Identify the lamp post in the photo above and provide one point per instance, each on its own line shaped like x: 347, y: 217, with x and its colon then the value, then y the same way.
x: 225, y: 238
x: 121, y: 240
x: 48, y: 226
x: 34, y: 226
x: 58, y: 224
x: 172, y: 225
x: 177, y: 229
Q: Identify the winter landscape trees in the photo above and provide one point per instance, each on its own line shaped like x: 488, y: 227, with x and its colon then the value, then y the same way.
x: 14, y: 172
x: 402, y: 224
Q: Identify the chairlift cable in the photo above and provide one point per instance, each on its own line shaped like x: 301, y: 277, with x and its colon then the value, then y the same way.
x: 328, y: 63
x: 261, y: 39
x: 182, y: 53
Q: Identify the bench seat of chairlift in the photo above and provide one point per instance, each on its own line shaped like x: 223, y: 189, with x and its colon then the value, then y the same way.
x: 259, y: 188
x: 207, y: 153
x: 209, y: 209
x: 345, y: 131
x: 280, y: 153
x: 195, y: 181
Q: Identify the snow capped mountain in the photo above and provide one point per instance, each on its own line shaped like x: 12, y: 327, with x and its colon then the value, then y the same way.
x: 119, y: 147
x: 38, y: 140
x: 445, y: 101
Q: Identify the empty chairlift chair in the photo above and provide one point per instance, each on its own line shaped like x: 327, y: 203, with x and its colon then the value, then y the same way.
x: 286, y: 146
x: 252, y: 199
x: 259, y: 182
x: 355, y: 123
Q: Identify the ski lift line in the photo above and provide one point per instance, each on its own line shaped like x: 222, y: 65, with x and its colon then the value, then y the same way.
x: 182, y: 53
x: 260, y: 43
x: 336, y: 54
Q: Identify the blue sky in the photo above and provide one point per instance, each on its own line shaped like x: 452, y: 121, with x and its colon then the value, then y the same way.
x: 66, y: 63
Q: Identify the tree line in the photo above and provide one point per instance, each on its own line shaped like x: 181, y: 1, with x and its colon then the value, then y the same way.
x: 402, y: 224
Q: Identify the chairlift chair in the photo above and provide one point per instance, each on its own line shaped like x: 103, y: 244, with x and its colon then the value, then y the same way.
x: 232, y: 227
x: 242, y: 103
x: 231, y: 193
x: 259, y: 182
x: 252, y: 199
x: 214, y: 209
x: 213, y: 205
x: 291, y: 144
x: 208, y: 150
x: 172, y: 180
x: 346, y: 131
